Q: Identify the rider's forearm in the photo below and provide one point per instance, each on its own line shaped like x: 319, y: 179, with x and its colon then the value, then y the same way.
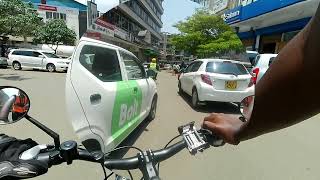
x: 289, y: 92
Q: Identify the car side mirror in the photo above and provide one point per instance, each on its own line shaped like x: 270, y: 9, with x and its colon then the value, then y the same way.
x: 41, y: 56
x: 14, y: 105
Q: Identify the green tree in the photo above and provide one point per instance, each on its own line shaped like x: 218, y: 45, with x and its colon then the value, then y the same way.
x: 54, y: 33
x: 18, y: 18
x: 206, y: 35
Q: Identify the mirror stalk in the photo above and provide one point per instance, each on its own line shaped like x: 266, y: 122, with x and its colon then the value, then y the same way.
x: 48, y: 131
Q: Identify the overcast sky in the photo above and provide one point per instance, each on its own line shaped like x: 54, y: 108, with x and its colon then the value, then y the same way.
x: 103, y: 5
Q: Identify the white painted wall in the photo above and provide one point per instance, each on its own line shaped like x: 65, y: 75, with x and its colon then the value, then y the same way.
x: 72, y: 17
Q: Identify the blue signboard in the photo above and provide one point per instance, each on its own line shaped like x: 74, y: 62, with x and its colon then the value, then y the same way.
x: 259, y: 7
x: 232, y: 16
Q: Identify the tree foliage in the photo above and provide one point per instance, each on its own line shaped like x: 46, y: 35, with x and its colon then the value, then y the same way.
x: 206, y: 35
x: 55, y: 32
x: 18, y: 18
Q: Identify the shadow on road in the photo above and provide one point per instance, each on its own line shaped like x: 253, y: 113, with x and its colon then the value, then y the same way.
x: 13, y: 77
x: 130, y: 140
x: 213, y: 107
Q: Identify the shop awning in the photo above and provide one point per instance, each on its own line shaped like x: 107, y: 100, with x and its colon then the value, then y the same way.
x: 301, y: 10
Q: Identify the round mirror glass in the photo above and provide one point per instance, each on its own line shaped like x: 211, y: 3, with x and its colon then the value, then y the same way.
x: 14, y: 105
x: 246, y: 107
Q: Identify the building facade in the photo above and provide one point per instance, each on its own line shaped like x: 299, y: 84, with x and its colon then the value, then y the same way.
x: 134, y: 25
x: 267, y: 26
x: 70, y: 11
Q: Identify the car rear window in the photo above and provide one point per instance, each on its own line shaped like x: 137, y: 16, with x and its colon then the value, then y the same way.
x: 226, y: 68
x: 271, y: 60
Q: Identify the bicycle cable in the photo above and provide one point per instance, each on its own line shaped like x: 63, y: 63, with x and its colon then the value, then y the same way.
x: 166, y: 147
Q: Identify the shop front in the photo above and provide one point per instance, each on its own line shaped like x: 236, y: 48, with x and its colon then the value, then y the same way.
x: 267, y: 26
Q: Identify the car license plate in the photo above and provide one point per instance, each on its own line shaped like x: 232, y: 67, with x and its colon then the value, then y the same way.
x: 231, y: 85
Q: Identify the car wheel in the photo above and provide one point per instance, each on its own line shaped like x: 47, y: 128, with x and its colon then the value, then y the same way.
x: 195, y: 98
x: 16, y: 65
x: 153, y: 109
x: 51, y: 67
x: 180, y: 88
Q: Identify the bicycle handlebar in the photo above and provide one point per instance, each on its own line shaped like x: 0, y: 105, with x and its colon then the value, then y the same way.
x: 133, y: 162
x: 194, y: 140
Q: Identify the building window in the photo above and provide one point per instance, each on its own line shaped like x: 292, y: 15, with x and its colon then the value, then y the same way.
x: 49, y: 15
x: 55, y: 15
x: 63, y: 16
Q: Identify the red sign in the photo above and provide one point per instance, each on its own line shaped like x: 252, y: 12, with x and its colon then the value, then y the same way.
x: 93, y: 34
x: 105, y: 24
x: 47, y: 8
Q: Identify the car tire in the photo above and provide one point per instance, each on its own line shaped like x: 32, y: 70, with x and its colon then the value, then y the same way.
x: 195, y: 98
x: 51, y: 67
x: 16, y: 65
x: 153, y: 109
x: 180, y: 89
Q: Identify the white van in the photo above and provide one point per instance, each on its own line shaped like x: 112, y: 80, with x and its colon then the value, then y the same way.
x: 36, y: 59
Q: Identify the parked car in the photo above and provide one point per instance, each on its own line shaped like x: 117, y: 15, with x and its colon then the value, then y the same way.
x: 3, y: 62
x: 108, y: 94
x: 261, y: 65
x: 167, y: 66
x: 215, y: 80
x: 36, y: 59
x: 251, y: 56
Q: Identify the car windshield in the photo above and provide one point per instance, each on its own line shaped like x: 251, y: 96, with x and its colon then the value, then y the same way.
x: 50, y: 55
x: 226, y: 68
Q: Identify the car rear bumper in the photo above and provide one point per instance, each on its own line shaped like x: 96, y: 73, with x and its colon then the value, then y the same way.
x: 3, y: 64
x: 208, y: 93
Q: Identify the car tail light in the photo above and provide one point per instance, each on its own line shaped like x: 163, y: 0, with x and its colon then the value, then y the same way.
x: 206, y: 79
x: 254, y: 77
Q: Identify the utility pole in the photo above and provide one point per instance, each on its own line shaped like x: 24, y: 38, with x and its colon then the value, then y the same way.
x: 165, y: 42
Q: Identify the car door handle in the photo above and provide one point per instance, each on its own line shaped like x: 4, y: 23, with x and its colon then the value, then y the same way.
x: 95, y: 99
x: 135, y: 90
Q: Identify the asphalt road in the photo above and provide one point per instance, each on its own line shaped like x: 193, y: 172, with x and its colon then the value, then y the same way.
x: 288, y: 154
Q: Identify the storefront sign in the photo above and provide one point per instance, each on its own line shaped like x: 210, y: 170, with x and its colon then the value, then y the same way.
x: 218, y: 5
x: 259, y: 7
x: 247, y: 2
x: 103, y: 30
x: 47, y: 8
x: 105, y: 24
x: 94, y: 35
x: 122, y: 34
x: 232, y: 15
x: 253, y: 8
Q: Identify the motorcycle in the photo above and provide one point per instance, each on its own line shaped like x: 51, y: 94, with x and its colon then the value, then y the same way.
x: 148, y: 162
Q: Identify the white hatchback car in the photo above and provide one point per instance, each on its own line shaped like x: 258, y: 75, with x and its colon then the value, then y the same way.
x: 36, y: 59
x: 216, y: 80
x: 262, y: 63
x: 108, y: 94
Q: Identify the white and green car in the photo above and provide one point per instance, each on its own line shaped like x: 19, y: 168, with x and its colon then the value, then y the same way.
x: 108, y: 94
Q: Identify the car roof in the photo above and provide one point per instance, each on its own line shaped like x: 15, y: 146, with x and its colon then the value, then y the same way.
x: 268, y: 54
x: 24, y: 49
x: 38, y: 50
x: 255, y: 52
x: 86, y: 39
x: 218, y: 60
